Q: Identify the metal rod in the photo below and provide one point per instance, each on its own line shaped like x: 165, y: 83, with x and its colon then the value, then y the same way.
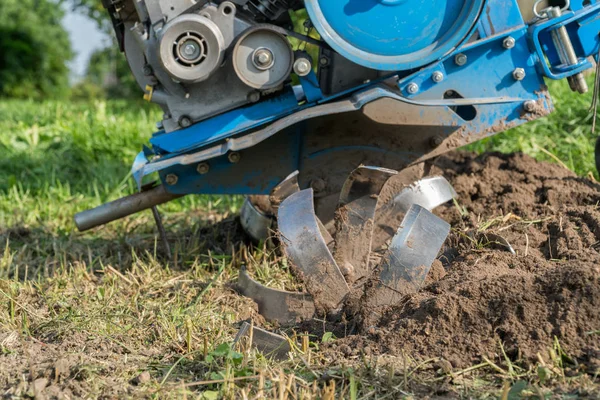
x: 123, y: 207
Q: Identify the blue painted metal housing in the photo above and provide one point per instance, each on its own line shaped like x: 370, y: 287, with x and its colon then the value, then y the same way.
x: 477, y: 97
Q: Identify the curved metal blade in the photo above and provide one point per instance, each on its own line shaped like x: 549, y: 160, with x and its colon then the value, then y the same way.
x: 428, y: 193
x: 277, y: 305
x: 255, y: 223
x: 355, y: 219
x: 408, y: 260
x: 270, y: 344
x: 308, y: 252
x: 285, y: 189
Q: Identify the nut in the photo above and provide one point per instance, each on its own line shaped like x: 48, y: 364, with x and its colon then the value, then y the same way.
x: 437, y: 76
x: 203, y: 168
x: 460, y: 59
x: 171, y: 179
x: 436, y: 141
x: 509, y: 42
x: 412, y: 88
x: 519, y: 74
x: 253, y: 97
x: 234, y: 157
x: 318, y: 185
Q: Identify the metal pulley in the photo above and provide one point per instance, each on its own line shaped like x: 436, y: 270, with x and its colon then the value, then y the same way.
x: 394, y: 35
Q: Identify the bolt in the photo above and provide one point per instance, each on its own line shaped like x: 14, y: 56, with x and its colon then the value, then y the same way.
x: 509, y: 42
x: 412, y: 88
x: 234, y: 157
x: 171, y: 179
x: 203, y: 168
x: 436, y: 141
x: 302, y: 67
x: 263, y: 59
x: 437, y: 76
x: 519, y: 74
x: 185, y: 121
x: 318, y: 185
x: 147, y: 70
x: 460, y: 59
x: 324, y: 61
x: 190, y: 49
x: 530, y: 105
x: 253, y: 97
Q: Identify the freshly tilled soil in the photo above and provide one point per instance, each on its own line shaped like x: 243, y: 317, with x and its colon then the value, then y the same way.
x: 484, y: 300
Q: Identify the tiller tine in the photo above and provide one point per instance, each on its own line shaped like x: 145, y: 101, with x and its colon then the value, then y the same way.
x: 308, y: 251
x: 355, y: 219
x: 410, y: 255
x: 428, y: 193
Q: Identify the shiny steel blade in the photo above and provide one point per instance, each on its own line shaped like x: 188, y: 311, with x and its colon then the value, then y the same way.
x: 355, y: 219
x: 255, y: 223
x: 428, y: 193
x: 308, y: 252
x: 277, y: 305
x: 269, y: 343
x: 285, y: 189
x: 408, y: 260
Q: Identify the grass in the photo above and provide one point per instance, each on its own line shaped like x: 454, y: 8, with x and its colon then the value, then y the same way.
x: 92, y: 312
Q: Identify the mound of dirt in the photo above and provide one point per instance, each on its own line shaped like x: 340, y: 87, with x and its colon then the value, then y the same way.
x: 488, y: 299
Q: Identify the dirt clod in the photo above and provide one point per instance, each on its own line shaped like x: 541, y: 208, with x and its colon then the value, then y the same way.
x: 487, y: 302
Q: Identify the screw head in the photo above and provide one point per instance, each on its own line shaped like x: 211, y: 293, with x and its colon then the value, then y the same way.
x: 318, y: 185
x: 302, y: 67
x: 203, y: 168
x: 253, y: 97
x: 436, y: 141
x: 324, y: 61
x: 509, y: 42
x: 185, y: 121
x: 530, y: 105
x: 437, y: 76
x: 460, y: 59
x: 263, y: 59
x: 171, y: 179
x: 519, y: 74
x: 412, y: 88
x: 234, y: 157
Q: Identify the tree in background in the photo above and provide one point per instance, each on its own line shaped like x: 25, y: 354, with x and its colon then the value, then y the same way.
x: 34, y: 49
x: 108, y: 73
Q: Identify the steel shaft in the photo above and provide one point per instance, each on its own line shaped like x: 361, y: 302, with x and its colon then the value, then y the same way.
x: 122, y: 208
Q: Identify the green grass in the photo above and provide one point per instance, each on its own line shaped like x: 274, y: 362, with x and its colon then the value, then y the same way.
x: 110, y: 305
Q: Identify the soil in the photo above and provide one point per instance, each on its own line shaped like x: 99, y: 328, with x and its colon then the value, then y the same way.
x: 480, y: 298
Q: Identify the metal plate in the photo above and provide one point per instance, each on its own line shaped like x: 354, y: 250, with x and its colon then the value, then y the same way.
x: 394, y: 35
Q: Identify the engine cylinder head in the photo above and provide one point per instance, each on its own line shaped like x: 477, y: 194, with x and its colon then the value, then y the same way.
x: 191, y: 48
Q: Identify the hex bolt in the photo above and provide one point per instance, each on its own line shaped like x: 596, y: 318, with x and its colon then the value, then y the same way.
x: 263, y: 59
x: 509, y: 42
x: 412, y: 88
x: 519, y: 74
x: 437, y: 76
x: 436, y: 141
x: 203, y: 168
x: 324, y: 61
x: 302, y: 67
x: 171, y: 179
x: 147, y: 70
x: 460, y: 59
x: 185, y: 121
x: 530, y: 105
x: 234, y: 157
x: 318, y: 185
x: 253, y: 97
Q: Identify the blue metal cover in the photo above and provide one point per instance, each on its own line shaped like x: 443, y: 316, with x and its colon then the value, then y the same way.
x: 394, y: 35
